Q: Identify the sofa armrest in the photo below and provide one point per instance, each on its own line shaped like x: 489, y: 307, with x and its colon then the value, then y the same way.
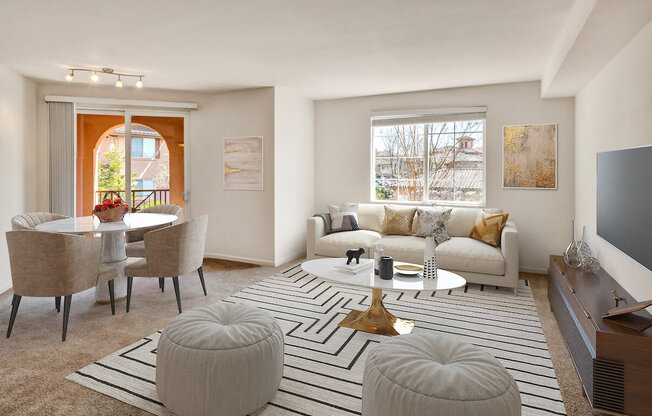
x: 509, y: 247
x: 316, y: 230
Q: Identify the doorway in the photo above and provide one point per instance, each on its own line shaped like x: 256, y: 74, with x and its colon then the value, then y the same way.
x: 136, y: 157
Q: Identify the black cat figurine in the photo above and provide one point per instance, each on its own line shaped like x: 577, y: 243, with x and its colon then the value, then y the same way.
x: 351, y: 254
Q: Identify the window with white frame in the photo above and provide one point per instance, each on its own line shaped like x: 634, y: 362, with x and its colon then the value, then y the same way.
x: 429, y: 157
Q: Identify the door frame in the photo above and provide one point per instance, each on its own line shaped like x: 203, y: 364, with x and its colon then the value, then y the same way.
x: 128, y: 112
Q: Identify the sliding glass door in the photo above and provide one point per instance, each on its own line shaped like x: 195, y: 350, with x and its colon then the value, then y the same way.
x: 134, y: 156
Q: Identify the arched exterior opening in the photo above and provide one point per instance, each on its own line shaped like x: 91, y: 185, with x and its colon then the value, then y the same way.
x: 156, y: 160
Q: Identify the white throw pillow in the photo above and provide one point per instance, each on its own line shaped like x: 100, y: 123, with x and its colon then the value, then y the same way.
x: 344, y: 217
x: 433, y: 222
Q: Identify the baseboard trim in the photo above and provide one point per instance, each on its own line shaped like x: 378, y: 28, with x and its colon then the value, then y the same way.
x: 251, y: 260
x: 534, y: 270
x: 5, y: 289
x: 290, y: 258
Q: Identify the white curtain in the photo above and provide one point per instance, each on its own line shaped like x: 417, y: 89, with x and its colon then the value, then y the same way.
x: 62, y: 158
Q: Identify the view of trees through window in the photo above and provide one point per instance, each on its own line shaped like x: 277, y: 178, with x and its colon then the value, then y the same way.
x: 440, y: 161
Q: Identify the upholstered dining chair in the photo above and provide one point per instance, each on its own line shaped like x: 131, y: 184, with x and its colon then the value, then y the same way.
x: 171, y: 252
x: 54, y: 265
x: 29, y: 221
x: 136, y: 246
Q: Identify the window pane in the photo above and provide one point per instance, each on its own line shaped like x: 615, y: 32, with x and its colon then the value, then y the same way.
x: 398, y: 164
x: 149, y: 148
x: 409, y: 190
x: 136, y: 147
x: 386, y: 189
x: 456, y: 157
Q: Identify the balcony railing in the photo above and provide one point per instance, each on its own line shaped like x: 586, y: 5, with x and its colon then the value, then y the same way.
x: 140, y: 198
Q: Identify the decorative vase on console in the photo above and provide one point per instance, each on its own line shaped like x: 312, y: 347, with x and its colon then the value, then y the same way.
x: 588, y: 262
x: 572, y: 253
x: 429, y: 259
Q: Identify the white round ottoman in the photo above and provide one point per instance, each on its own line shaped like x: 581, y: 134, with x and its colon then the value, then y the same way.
x: 222, y: 359
x: 428, y: 375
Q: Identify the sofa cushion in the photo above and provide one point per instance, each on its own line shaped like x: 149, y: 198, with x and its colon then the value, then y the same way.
x: 461, y: 221
x: 433, y: 223
x: 344, y: 217
x: 406, y: 248
x: 335, y: 245
x: 488, y: 226
x: 398, y: 220
x: 468, y: 255
x: 370, y: 216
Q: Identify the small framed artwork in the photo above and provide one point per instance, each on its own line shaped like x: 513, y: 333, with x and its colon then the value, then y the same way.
x: 530, y: 156
x: 243, y: 163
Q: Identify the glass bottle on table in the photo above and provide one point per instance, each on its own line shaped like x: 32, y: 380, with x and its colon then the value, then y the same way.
x: 378, y: 253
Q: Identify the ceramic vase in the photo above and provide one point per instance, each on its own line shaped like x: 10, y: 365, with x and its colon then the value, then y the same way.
x: 430, y: 259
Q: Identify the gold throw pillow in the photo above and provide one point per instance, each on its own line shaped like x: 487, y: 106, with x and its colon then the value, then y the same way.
x: 488, y: 227
x: 398, y: 221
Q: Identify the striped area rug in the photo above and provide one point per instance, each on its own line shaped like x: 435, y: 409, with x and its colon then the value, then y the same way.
x: 324, y: 363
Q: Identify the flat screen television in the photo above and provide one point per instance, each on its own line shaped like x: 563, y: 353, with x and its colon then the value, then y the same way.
x: 624, y: 205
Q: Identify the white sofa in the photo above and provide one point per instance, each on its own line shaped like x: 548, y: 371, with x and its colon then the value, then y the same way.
x: 476, y: 261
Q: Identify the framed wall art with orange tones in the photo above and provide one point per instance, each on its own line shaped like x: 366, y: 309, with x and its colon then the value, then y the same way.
x: 530, y: 156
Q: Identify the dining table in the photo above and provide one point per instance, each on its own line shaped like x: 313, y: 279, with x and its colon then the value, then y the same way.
x: 112, y: 235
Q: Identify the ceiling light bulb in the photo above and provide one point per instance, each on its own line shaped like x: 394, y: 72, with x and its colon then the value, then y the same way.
x: 139, y: 83
x: 70, y: 76
x: 118, y: 83
x: 94, y: 77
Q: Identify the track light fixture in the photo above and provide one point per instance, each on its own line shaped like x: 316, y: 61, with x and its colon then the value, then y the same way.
x: 107, y: 71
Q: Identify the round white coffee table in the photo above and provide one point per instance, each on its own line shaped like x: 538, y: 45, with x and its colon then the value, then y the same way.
x: 377, y: 319
x: 114, y: 256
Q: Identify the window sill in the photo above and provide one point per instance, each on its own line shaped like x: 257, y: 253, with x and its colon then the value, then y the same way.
x: 431, y: 203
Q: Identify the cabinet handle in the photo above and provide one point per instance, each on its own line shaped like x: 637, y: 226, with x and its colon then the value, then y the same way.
x: 586, y: 313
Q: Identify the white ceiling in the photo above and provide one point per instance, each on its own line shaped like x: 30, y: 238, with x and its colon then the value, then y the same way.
x: 321, y: 48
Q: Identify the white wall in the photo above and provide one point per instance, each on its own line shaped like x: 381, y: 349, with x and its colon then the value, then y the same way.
x: 343, y: 162
x: 294, y: 172
x: 614, y: 111
x: 241, y: 224
x: 17, y: 157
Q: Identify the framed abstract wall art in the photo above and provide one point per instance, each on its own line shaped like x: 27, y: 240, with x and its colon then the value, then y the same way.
x: 530, y: 156
x: 243, y: 163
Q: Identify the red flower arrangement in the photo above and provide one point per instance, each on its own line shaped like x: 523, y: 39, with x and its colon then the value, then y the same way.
x: 111, y: 211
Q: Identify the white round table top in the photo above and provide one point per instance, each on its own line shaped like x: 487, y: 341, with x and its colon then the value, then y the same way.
x: 92, y: 225
x: 324, y: 268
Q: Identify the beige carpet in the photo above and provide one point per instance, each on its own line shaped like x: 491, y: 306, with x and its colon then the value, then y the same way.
x: 34, y: 361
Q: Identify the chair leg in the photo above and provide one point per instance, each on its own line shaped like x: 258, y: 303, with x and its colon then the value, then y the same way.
x: 130, y: 281
x: 14, y: 309
x: 57, y: 303
x: 161, y: 284
x: 201, y: 279
x: 175, y: 282
x: 66, y: 314
x: 112, y: 295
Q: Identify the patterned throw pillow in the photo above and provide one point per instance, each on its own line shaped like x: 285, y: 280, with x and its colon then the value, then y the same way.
x: 398, y: 221
x: 433, y: 222
x: 344, y: 217
x: 488, y: 227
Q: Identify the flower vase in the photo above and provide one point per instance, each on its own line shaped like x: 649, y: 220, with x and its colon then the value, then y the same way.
x: 429, y: 259
x: 572, y: 253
